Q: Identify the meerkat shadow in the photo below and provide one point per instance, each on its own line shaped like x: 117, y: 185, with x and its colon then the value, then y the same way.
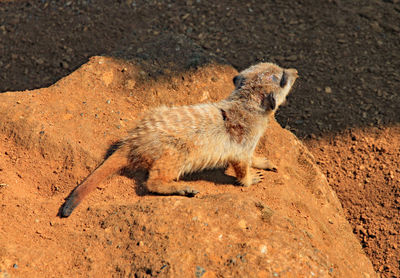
x: 139, y: 176
x: 216, y: 176
x: 112, y: 148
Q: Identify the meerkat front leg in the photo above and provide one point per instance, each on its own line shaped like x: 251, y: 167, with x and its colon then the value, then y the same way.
x: 263, y: 163
x: 244, y: 174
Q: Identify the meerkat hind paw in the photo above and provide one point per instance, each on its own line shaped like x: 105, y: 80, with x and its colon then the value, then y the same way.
x: 257, y: 177
x: 187, y: 191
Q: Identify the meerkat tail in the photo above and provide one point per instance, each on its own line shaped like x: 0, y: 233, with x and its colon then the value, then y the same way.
x: 112, y: 164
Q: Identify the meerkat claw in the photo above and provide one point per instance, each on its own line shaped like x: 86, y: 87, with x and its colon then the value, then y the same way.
x: 258, y: 177
x: 188, y: 192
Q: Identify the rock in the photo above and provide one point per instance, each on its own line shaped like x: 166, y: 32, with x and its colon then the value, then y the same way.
x: 199, y: 271
x: 64, y: 65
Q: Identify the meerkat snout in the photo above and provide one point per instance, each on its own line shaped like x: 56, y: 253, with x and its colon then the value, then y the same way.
x: 287, y: 79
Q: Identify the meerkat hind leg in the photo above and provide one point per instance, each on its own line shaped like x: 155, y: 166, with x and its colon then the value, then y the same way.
x: 263, y: 163
x: 162, y: 177
x: 245, y: 175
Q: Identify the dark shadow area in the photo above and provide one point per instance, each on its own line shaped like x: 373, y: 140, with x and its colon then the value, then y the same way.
x: 166, y: 54
x: 216, y: 176
x: 112, y: 148
x: 346, y: 51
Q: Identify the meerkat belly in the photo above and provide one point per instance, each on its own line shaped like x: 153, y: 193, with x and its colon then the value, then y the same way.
x: 199, y: 131
x: 208, y: 151
x: 212, y: 146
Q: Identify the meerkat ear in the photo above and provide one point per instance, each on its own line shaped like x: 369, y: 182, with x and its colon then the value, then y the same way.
x: 238, y: 81
x: 269, y: 102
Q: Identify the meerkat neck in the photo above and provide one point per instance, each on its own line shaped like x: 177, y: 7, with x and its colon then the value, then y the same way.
x: 242, y: 113
x: 244, y: 103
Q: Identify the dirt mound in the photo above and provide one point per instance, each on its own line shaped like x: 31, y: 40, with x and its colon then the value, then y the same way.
x: 291, y: 224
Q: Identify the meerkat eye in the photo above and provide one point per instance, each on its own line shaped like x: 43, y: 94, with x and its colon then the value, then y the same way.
x: 284, y: 79
x: 238, y: 81
x: 235, y: 79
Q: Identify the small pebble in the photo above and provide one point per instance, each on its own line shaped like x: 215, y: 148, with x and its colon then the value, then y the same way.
x: 3, y: 185
x: 199, y: 271
x: 64, y: 65
x: 263, y: 249
x: 328, y: 90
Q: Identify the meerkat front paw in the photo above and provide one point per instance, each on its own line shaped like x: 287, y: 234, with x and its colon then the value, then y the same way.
x: 263, y: 163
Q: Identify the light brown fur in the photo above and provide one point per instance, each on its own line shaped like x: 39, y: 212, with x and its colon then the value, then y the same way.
x: 171, y: 142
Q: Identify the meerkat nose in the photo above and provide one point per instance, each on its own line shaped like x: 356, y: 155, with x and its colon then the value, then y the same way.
x: 293, y: 72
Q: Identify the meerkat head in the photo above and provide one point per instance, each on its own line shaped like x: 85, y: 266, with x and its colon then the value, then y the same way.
x: 266, y: 85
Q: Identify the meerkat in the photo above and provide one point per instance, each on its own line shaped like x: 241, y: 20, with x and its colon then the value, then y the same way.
x: 172, y: 141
